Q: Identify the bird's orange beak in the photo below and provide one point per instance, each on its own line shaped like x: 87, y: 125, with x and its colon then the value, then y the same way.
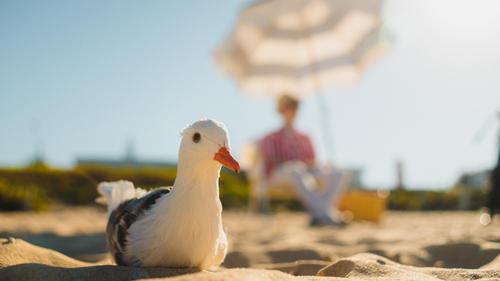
x: 225, y: 158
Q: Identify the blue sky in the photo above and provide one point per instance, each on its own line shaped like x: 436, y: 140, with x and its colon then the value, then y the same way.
x: 94, y: 74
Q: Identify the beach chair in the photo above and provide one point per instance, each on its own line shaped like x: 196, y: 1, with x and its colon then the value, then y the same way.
x: 357, y: 204
x: 260, y: 193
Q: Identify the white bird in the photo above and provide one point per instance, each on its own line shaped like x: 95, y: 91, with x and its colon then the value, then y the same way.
x: 178, y: 226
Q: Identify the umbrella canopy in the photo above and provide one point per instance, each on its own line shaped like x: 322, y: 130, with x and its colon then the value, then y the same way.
x: 301, y: 46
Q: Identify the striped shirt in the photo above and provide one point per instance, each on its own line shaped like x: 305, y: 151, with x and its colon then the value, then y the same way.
x: 285, y: 145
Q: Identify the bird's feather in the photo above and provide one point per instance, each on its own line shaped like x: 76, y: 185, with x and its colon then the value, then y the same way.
x: 114, y: 193
x: 123, y: 217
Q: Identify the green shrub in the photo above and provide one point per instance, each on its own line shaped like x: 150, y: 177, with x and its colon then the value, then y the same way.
x: 420, y: 200
x: 234, y: 189
x: 36, y: 187
x: 14, y: 198
x: 63, y: 186
x: 39, y: 186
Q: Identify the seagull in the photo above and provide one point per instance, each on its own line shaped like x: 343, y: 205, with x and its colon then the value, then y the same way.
x: 178, y: 226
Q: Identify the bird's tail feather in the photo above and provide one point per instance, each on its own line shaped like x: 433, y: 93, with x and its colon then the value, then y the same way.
x: 116, y: 192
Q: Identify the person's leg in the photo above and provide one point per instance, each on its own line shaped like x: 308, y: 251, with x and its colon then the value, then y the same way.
x: 333, y: 181
x: 297, y: 175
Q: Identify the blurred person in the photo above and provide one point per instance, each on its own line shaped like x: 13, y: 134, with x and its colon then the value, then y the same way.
x: 494, y: 195
x: 289, y: 158
x: 494, y: 199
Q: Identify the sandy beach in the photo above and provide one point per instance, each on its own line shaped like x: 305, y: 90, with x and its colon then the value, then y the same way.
x: 69, y: 243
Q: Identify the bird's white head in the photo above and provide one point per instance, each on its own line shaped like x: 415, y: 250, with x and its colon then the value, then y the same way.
x: 205, y: 144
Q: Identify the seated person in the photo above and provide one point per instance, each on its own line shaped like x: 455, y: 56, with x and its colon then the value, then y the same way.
x: 289, y: 159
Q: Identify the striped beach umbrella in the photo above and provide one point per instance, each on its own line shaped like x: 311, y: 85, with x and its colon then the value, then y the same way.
x: 302, y: 46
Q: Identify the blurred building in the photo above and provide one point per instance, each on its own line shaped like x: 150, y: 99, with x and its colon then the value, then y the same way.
x: 129, y: 159
x: 400, y: 175
x: 123, y: 162
x: 468, y: 183
x: 356, y: 177
x: 477, y: 179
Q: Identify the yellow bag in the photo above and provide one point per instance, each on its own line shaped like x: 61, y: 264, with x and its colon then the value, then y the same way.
x: 363, y: 205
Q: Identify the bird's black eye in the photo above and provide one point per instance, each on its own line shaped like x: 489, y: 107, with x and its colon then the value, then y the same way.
x: 196, y: 137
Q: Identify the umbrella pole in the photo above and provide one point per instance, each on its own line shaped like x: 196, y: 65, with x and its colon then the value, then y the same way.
x: 326, y: 127
x: 323, y: 108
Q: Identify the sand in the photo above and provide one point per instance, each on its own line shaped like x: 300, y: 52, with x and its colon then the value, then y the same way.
x: 405, y: 246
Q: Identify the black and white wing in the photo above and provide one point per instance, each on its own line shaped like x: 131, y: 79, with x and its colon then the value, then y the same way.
x: 122, y: 218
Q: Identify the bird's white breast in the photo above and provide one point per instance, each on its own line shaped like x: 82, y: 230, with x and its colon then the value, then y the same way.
x: 184, y: 229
